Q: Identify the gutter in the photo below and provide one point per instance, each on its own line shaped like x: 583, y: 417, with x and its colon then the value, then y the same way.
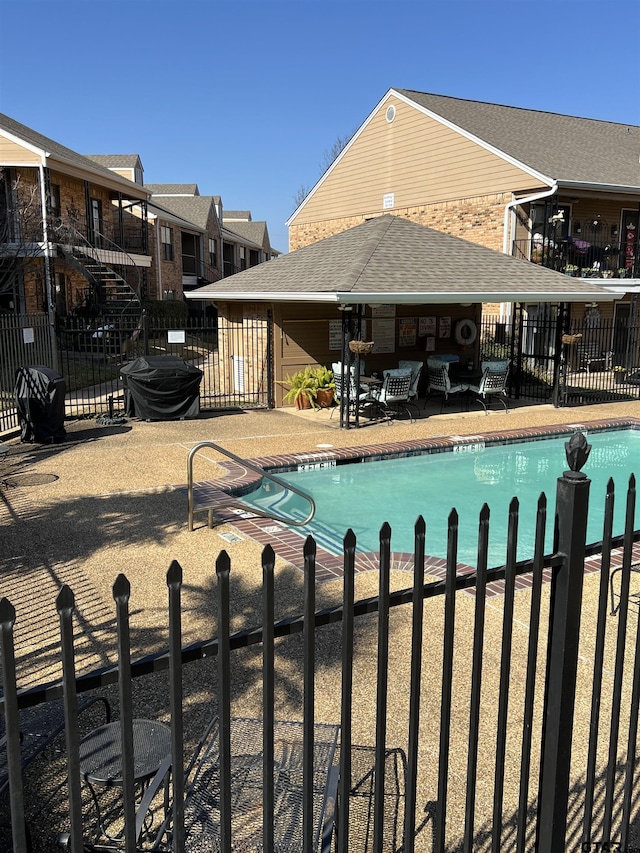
x: 526, y: 200
x: 402, y: 298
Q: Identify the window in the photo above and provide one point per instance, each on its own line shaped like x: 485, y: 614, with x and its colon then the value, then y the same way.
x: 243, y: 258
x: 213, y: 255
x: 166, y: 235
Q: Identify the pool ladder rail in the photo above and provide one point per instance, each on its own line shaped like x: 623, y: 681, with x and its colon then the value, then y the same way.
x: 235, y: 502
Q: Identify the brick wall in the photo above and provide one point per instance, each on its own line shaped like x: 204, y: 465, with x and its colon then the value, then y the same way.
x: 479, y: 220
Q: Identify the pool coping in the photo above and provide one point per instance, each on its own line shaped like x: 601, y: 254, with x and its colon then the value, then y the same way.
x: 288, y: 543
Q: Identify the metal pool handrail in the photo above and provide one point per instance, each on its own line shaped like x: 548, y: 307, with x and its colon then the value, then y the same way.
x: 234, y: 502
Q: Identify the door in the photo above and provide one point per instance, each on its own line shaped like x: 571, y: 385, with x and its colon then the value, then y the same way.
x: 96, y: 222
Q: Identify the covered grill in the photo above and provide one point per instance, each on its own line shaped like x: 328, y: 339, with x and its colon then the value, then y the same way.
x: 161, y: 388
x: 40, y: 393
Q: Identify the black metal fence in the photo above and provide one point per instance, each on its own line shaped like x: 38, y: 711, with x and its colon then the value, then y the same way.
x: 236, y: 359
x: 567, y: 362
x: 518, y: 739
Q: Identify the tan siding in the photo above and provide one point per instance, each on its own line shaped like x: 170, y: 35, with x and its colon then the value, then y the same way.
x: 416, y: 158
x: 11, y: 152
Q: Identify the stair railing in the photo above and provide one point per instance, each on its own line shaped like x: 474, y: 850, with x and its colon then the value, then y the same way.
x: 69, y: 228
x: 234, y: 502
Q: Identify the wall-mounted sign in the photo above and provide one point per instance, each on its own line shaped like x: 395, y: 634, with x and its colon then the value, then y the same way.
x: 335, y: 335
x: 407, y: 332
x: 445, y: 327
x: 426, y: 326
x: 384, y: 335
x: 388, y: 200
x: 28, y: 336
x: 176, y: 336
x: 383, y: 310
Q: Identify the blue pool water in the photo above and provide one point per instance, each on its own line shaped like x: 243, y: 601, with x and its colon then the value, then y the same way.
x: 364, y: 496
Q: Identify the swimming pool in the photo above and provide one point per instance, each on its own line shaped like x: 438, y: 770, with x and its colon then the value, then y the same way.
x: 467, y: 475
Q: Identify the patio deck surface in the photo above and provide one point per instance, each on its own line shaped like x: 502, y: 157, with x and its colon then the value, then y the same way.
x: 110, y: 499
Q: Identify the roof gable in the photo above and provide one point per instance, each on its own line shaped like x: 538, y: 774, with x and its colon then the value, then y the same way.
x: 563, y: 147
x: 197, y: 209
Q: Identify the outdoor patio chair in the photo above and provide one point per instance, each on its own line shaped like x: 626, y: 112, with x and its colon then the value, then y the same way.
x: 440, y: 383
x: 416, y: 372
x: 356, y: 401
x: 202, y: 812
x: 40, y: 727
x: 492, y: 385
x: 393, y: 395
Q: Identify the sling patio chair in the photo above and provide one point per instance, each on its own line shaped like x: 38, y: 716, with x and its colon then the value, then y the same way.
x: 40, y: 727
x: 493, y: 384
x: 357, y: 401
x: 416, y: 372
x: 440, y: 382
x: 203, y: 813
x: 393, y: 395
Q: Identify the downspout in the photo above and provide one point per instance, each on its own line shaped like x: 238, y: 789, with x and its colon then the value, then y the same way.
x: 158, y: 263
x: 507, y: 216
x: 47, y: 270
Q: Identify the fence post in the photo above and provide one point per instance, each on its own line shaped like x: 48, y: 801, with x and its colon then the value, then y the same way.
x: 572, y: 504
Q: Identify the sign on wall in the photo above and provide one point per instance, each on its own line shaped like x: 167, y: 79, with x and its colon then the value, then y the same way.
x: 445, y: 327
x: 426, y: 326
x: 384, y: 335
x: 407, y: 332
x: 383, y: 310
x: 335, y: 335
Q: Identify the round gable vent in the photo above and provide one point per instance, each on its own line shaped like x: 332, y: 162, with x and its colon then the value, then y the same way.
x: 391, y: 113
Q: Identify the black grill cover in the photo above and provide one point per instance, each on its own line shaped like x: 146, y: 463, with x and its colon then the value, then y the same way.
x: 40, y: 394
x: 161, y: 388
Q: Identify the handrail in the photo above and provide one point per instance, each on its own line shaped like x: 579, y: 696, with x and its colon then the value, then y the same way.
x: 70, y: 228
x: 231, y: 502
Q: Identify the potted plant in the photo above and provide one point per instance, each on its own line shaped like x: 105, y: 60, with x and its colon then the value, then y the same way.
x: 571, y: 269
x: 326, y: 386
x: 622, y: 272
x: 303, y: 387
x: 619, y: 374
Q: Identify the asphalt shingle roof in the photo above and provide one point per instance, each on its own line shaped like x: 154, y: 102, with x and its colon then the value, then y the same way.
x: 398, y: 260
x: 252, y: 231
x: 173, y: 189
x: 566, y: 148
x: 58, y: 151
x: 196, y: 209
x: 116, y: 161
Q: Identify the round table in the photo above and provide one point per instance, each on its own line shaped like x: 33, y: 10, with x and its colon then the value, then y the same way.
x: 100, y: 752
x: 101, y: 765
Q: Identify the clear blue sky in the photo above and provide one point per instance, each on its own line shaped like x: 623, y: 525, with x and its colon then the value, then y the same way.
x: 244, y: 97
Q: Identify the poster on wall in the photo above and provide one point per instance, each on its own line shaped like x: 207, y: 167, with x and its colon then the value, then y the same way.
x: 430, y: 344
x: 335, y: 335
x: 445, y: 327
x: 426, y: 326
x: 407, y: 332
x: 383, y: 310
x: 384, y: 335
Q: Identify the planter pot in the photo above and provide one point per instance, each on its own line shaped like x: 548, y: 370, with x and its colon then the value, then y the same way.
x: 620, y: 377
x: 324, y: 396
x: 303, y: 402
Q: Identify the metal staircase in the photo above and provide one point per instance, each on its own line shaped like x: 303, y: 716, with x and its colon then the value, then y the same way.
x: 109, y: 294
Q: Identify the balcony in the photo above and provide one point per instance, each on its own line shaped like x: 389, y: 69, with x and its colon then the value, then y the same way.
x: 592, y: 253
